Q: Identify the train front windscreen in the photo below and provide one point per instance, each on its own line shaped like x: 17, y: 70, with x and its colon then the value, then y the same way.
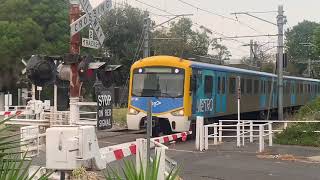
x: 158, y: 82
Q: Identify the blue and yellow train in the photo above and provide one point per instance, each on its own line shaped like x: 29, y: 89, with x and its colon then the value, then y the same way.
x: 182, y: 89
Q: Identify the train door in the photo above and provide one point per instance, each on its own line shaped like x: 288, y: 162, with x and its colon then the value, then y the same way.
x: 205, y: 93
x: 263, y: 95
x: 293, y: 93
x: 221, y: 97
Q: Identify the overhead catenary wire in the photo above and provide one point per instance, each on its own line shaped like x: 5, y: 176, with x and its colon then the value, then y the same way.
x: 194, y: 23
x: 219, y: 15
x: 134, y: 59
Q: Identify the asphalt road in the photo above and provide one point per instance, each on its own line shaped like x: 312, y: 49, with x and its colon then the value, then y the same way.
x: 225, y: 161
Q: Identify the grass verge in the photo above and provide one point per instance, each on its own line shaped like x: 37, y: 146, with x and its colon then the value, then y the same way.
x: 120, y: 116
x: 303, y: 133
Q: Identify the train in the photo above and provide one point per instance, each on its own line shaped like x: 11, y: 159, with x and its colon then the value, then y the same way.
x: 181, y: 89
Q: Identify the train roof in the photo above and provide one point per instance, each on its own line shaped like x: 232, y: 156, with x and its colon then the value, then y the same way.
x: 244, y: 71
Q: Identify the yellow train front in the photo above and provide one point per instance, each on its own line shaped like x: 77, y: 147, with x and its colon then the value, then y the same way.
x: 166, y: 80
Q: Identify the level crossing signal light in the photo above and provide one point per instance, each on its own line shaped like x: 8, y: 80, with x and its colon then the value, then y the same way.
x: 42, y: 70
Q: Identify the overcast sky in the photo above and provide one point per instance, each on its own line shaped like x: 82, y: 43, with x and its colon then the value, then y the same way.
x: 295, y: 10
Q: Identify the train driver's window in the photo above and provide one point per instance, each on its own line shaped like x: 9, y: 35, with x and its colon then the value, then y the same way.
x: 208, y: 84
x: 232, y: 85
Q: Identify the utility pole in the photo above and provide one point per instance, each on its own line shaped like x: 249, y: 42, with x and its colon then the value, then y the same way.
x: 255, y: 50
x: 251, y: 52
x: 146, y: 53
x: 146, y: 26
x: 309, y: 67
x: 280, y: 23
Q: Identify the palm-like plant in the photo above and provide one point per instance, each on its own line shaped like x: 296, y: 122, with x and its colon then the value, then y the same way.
x: 13, y: 163
x: 130, y: 172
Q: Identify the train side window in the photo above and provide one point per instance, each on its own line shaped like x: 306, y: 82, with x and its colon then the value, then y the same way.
x: 242, y: 86
x: 249, y: 86
x: 269, y: 87
x: 208, y: 84
x: 305, y: 88
x: 301, y: 88
x: 256, y: 86
x: 223, y: 85
x: 219, y: 85
x: 232, y: 85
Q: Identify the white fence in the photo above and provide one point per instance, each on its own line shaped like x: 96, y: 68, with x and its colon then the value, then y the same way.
x: 32, y: 141
x: 244, y: 129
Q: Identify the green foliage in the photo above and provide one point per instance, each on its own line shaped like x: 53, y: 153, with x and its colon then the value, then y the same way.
x: 12, y: 165
x: 120, y: 116
x: 267, y: 67
x: 130, y: 172
x: 303, y: 32
x: 302, y: 133
x: 29, y: 27
x: 182, y: 39
x: 123, y: 27
x: 309, y: 109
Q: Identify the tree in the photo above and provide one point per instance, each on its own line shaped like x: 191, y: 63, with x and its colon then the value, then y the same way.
x: 123, y: 29
x: 221, y: 52
x: 30, y: 27
x: 180, y: 38
x: 303, y: 32
x: 316, y: 40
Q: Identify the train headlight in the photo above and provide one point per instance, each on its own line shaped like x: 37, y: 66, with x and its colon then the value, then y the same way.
x: 133, y: 111
x: 179, y: 112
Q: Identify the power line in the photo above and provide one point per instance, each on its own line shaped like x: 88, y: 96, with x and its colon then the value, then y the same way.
x: 159, y: 9
x: 247, y: 36
x: 194, y: 23
x: 260, y: 12
x: 207, y: 11
x: 220, y: 15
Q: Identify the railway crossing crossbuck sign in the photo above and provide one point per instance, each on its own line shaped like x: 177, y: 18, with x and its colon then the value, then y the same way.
x: 90, y: 43
x: 91, y: 18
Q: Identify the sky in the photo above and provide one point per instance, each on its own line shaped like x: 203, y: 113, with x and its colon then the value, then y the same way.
x: 220, y: 20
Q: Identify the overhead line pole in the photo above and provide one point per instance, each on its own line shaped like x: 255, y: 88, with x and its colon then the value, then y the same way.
x: 280, y: 22
x: 146, y: 53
